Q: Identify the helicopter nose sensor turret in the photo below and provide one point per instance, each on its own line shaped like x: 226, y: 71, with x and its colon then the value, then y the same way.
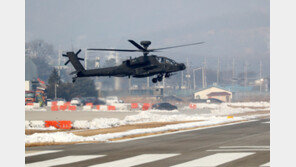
x: 182, y: 66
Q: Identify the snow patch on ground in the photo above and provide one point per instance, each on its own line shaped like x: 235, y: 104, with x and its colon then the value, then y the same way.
x: 142, y: 117
x: 237, y: 104
x: 250, y: 104
x: 69, y: 137
x: 233, y: 108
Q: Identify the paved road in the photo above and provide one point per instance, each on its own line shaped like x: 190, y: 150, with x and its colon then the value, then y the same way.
x: 244, y: 144
x: 90, y: 115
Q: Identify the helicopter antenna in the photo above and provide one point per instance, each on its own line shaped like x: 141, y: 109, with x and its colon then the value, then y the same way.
x: 71, y: 44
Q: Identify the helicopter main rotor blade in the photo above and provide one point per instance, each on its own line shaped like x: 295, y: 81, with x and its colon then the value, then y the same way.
x: 137, y: 45
x: 118, y: 50
x: 152, y: 50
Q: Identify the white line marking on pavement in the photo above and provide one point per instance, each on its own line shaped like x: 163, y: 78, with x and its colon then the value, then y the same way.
x: 41, y: 152
x: 213, y: 160
x: 251, y: 149
x: 137, y: 160
x: 181, y: 131
x: 267, y: 147
x: 265, y: 165
x: 266, y: 122
x: 63, y: 160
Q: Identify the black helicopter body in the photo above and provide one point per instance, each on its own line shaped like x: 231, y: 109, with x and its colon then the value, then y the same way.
x: 139, y: 67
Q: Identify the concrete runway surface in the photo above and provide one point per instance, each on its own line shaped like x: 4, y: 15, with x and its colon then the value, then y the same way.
x: 242, y: 144
x: 90, y: 115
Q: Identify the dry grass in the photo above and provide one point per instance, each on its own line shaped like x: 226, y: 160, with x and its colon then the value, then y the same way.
x: 148, y: 134
x: 32, y: 131
x: 91, y: 132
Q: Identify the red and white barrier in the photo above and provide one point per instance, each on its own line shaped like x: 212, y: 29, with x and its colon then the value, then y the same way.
x: 61, y: 124
x: 134, y: 106
x: 32, y: 106
x: 90, y: 107
x: 192, y: 106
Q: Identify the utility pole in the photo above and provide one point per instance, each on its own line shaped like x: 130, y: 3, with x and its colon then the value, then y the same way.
x: 205, y: 73
x: 148, y: 78
x: 194, y: 84
x: 55, y: 90
x: 218, y: 70
x: 163, y: 84
x: 233, y: 73
x: 260, y: 79
x: 85, y: 59
x: 188, y: 75
x: 204, y: 78
x: 59, y: 62
x: 246, y: 74
x: 129, y: 84
x: 182, y: 79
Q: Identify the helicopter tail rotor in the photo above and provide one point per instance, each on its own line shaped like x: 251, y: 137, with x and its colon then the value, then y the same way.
x: 75, y: 60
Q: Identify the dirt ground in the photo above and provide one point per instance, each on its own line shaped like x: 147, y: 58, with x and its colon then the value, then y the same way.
x: 91, y: 132
x: 127, y: 127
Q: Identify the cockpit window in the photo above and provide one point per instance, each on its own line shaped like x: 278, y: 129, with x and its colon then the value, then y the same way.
x: 170, y: 61
x: 160, y: 59
x: 165, y: 60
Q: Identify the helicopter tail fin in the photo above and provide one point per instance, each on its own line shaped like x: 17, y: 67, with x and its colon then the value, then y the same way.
x: 74, y: 59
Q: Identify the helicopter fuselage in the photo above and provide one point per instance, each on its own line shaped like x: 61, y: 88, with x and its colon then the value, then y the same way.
x: 143, y: 66
x: 139, y: 67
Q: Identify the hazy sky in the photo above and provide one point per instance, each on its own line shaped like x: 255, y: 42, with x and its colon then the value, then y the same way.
x: 230, y: 28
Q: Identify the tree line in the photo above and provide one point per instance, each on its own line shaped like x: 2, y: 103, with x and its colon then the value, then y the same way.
x: 83, y: 87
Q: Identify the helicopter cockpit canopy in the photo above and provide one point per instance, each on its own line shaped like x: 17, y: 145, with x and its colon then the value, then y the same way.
x: 164, y: 60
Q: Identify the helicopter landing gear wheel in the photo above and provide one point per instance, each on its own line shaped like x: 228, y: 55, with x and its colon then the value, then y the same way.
x: 154, y: 80
x: 167, y: 75
x: 159, y: 78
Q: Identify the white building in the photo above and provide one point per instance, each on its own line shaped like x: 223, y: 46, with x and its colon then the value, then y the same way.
x: 214, y: 92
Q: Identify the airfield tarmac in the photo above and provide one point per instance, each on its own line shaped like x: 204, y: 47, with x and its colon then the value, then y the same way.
x: 90, y: 115
x: 238, y: 144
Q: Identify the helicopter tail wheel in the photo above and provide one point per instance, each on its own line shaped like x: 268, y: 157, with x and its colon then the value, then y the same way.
x: 74, y: 79
x: 154, y: 80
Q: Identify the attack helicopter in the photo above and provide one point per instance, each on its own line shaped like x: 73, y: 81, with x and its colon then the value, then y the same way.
x: 139, y: 67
